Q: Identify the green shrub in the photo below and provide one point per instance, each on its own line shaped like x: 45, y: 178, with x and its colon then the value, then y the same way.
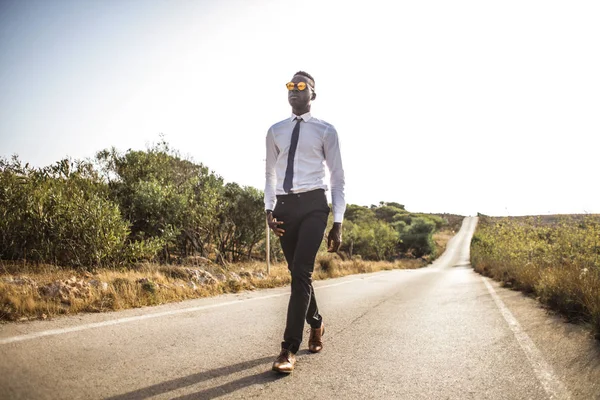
x: 418, y: 237
x: 58, y: 215
x: 149, y: 286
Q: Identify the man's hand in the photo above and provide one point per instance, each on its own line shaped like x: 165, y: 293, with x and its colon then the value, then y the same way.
x: 334, y: 238
x: 274, y: 224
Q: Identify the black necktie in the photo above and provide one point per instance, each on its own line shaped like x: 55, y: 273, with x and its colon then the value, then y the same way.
x: 289, y: 171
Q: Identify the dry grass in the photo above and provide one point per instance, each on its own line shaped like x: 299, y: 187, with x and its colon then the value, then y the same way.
x: 332, y: 266
x: 24, y: 293
x: 441, y: 240
x: 557, y: 260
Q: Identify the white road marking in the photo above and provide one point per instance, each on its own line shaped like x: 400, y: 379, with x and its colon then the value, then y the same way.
x: 543, y: 371
x: 53, y: 332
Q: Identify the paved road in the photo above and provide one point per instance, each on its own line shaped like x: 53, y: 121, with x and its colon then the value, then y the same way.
x: 441, y: 332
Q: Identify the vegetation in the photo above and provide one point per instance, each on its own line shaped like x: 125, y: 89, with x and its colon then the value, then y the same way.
x: 145, y: 227
x: 555, y: 258
x: 59, y: 214
x: 387, y: 231
x: 124, y: 208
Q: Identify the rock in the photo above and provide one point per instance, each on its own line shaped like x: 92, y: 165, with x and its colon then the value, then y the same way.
x: 259, y: 275
x: 192, y: 285
x: 245, y: 274
x: 235, y: 277
x: 65, y: 290
x: 52, y: 289
x: 200, y: 276
x: 221, y: 277
x: 103, y: 286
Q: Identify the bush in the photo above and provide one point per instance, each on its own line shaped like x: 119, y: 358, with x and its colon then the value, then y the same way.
x: 58, y: 215
x: 559, y: 261
x: 418, y: 237
x: 149, y: 286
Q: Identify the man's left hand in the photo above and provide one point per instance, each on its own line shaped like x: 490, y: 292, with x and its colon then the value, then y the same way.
x: 334, y: 238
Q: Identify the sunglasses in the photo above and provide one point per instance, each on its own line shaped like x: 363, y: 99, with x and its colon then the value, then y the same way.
x: 300, y: 85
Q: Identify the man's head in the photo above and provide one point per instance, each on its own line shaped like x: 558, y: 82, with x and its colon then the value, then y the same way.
x: 300, y: 99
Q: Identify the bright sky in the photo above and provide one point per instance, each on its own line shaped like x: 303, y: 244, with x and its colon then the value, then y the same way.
x: 444, y: 106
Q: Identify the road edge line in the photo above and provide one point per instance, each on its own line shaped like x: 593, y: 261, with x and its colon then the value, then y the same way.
x: 543, y: 371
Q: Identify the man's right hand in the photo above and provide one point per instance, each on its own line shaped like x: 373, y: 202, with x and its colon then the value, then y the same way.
x: 274, y: 224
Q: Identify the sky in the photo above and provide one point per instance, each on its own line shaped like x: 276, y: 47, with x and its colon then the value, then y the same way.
x: 443, y: 106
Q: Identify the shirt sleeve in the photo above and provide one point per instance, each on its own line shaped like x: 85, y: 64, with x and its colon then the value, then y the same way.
x: 333, y: 158
x: 270, y: 178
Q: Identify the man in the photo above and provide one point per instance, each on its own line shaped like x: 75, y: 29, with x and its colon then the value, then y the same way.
x: 297, y: 150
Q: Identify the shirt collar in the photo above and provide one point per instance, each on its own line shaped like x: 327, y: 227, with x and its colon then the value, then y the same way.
x: 305, y: 117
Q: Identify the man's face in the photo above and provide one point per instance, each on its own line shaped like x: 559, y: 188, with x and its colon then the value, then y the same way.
x: 299, y: 99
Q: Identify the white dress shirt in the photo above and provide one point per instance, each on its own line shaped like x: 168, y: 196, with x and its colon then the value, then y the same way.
x: 317, y: 145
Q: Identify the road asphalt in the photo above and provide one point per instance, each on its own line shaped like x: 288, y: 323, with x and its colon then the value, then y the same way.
x: 440, y: 332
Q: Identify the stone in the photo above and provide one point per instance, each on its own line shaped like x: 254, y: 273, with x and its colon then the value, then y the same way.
x: 103, y: 286
x: 259, y: 275
x: 67, y: 289
x: 51, y: 290
x: 200, y: 276
x: 235, y: 277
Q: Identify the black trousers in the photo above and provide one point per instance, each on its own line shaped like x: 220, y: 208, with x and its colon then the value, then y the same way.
x: 304, y: 217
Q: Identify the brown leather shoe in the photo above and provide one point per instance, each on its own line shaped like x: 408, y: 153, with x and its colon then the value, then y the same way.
x: 315, y: 340
x: 284, y: 364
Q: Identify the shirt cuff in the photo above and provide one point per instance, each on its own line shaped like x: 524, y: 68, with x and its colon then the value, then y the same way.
x: 337, y: 217
x: 269, y: 205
